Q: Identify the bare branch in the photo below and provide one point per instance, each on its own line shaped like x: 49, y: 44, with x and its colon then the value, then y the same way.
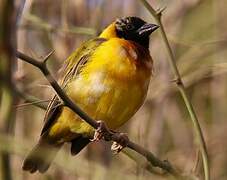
x: 31, y: 103
x: 108, y: 135
x: 29, y: 98
x: 47, y: 57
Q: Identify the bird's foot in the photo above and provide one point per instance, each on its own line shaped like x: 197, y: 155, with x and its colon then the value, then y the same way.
x: 121, y: 144
x: 121, y: 140
x: 100, y: 131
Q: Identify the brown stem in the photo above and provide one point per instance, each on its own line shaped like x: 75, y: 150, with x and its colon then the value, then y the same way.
x: 181, y: 87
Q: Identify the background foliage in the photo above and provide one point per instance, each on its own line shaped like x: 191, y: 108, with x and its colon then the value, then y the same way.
x: 197, y: 33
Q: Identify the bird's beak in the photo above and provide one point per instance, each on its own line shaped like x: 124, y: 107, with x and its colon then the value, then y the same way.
x: 147, y: 29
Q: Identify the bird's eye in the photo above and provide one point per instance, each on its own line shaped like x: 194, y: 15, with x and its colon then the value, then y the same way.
x: 129, y: 27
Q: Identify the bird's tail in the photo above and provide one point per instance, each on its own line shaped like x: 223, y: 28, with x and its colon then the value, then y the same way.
x: 41, y: 156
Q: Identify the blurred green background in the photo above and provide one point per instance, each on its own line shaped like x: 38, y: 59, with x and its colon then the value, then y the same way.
x: 197, y: 33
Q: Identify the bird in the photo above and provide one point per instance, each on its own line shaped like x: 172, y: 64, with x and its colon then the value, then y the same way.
x: 108, y: 78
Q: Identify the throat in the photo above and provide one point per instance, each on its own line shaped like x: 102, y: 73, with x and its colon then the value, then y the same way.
x: 143, y: 42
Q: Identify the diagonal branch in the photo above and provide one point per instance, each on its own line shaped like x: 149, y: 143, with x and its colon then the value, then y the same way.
x: 154, y: 161
x: 28, y: 98
x: 180, y: 85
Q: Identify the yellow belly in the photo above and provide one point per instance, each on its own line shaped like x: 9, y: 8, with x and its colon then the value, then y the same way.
x: 103, y: 98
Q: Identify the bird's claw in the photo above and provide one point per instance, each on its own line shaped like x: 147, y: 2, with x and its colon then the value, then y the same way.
x: 103, y: 132
x: 118, y: 146
x: 99, y: 132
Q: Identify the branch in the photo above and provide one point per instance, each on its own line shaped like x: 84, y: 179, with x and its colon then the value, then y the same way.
x: 172, y: 61
x: 32, y: 100
x: 154, y: 161
x: 37, y: 103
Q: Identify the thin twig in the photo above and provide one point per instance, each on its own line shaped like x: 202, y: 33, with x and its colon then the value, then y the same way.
x: 181, y: 87
x: 29, y: 98
x: 165, y: 165
x: 31, y: 103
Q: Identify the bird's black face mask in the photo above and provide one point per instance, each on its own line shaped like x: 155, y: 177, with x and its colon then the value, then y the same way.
x: 135, y: 29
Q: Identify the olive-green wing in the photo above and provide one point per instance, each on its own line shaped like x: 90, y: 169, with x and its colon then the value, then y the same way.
x: 71, y: 69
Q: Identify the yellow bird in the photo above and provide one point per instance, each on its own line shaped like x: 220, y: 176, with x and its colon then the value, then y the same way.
x: 108, y: 78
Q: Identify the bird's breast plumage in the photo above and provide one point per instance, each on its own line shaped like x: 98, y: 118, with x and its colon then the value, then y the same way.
x: 111, y: 86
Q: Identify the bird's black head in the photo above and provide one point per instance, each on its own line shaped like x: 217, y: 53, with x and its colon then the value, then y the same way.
x: 135, y: 29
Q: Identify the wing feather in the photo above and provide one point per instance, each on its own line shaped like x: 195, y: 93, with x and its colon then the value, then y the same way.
x: 72, y: 68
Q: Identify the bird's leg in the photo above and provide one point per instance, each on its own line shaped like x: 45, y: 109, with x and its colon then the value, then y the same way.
x: 120, y: 139
x: 121, y: 144
x: 100, y: 132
